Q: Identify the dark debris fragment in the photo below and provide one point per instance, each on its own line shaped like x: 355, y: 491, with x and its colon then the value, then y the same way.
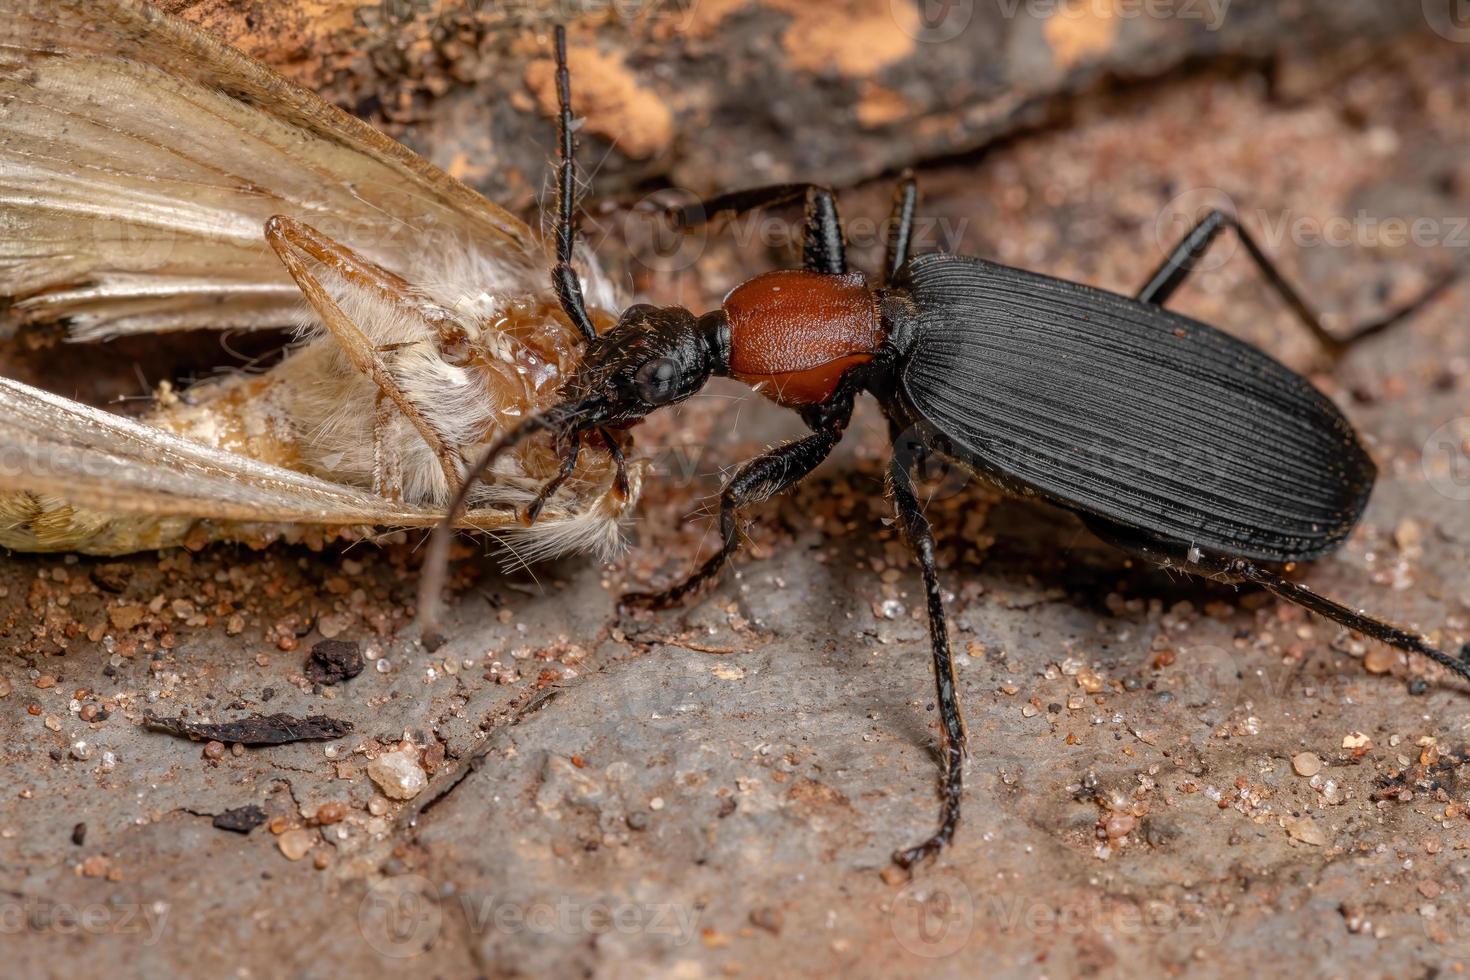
x: 278, y: 729
x: 241, y: 820
x: 334, y: 661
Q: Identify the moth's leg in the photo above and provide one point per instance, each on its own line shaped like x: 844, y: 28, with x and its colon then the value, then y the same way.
x: 564, y: 278
x: 569, y: 450
x: 760, y: 479
x: 822, y: 246
x: 294, y: 243
x: 921, y: 538
x: 387, y: 474
x: 1176, y: 268
x: 901, y: 225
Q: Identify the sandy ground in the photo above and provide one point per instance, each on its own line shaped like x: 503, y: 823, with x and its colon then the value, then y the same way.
x: 1164, y: 776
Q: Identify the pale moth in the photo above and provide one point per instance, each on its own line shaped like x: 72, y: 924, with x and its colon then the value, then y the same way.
x: 153, y: 179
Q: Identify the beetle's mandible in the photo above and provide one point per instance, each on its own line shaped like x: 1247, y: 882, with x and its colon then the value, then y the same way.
x: 1168, y: 438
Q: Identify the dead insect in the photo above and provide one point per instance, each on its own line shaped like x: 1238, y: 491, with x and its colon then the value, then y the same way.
x: 144, y: 168
x: 1167, y: 437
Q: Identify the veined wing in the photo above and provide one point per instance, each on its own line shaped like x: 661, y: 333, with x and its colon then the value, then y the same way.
x: 101, y: 461
x: 140, y: 160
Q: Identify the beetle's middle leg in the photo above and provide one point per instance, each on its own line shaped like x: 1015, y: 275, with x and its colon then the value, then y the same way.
x: 921, y: 538
x: 1180, y: 262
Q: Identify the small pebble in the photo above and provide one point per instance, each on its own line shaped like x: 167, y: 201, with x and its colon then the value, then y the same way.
x: 1306, y: 764
x: 767, y: 918
x: 96, y: 866
x: 329, y: 813
x: 1306, y: 830
x: 295, y: 843
x: 214, y: 750
x: 1379, y: 660
x: 1118, y: 825
x: 398, y: 774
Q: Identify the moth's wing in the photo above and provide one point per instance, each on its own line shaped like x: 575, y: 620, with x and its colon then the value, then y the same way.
x: 140, y: 160
x: 104, y: 462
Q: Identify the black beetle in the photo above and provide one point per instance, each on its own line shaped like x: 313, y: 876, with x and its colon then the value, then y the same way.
x: 1169, y: 438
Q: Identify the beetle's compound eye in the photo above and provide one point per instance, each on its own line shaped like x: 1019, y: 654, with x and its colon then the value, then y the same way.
x: 656, y: 380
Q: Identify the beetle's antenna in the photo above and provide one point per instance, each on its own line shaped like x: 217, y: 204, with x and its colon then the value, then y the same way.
x: 564, y: 278
x: 436, y: 560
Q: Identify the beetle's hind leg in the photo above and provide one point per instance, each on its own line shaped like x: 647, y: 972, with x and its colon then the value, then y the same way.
x: 1244, y: 570
x: 1175, y: 269
x: 1376, y: 629
x: 921, y: 538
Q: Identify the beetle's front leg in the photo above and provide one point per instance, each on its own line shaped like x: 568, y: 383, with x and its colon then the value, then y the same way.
x: 569, y: 449
x: 760, y: 479
x: 620, y: 462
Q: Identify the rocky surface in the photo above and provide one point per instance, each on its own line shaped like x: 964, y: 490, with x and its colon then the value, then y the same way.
x: 716, y: 790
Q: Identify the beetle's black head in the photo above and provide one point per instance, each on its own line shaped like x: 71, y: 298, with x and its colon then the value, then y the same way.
x: 655, y: 356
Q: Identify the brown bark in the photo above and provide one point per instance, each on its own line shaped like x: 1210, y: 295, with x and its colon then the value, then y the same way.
x: 708, y: 94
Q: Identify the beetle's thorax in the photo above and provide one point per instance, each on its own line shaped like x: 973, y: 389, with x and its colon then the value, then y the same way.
x: 793, y: 333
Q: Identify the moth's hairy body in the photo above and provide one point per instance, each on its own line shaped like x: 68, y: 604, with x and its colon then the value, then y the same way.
x: 148, y: 173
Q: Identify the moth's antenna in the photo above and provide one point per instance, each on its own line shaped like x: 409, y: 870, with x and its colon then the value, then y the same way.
x: 436, y: 560
x: 564, y: 278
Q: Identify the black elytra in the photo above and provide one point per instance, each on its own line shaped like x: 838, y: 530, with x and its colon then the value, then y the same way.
x: 1169, y: 438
